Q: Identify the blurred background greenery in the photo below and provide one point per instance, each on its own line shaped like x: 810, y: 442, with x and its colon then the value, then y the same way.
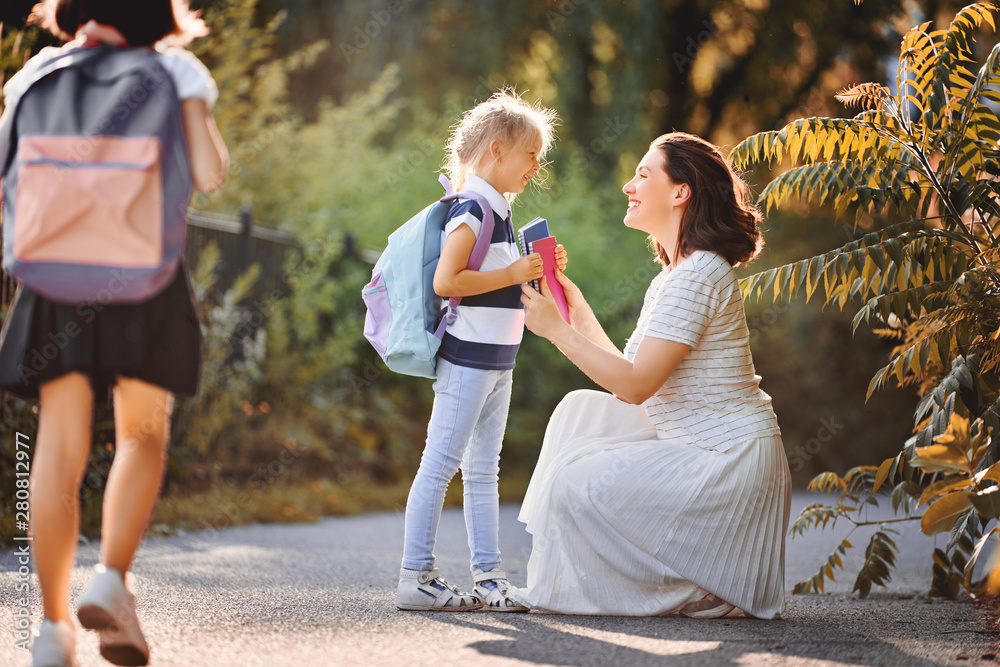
x: 336, y: 113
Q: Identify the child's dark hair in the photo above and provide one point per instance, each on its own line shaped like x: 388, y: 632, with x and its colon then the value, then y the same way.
x: 141, y: 23
x: 721, y: 215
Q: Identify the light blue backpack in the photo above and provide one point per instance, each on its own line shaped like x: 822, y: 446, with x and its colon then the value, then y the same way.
x: 405, y: 321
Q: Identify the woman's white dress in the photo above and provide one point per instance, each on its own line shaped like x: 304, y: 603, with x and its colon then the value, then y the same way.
x: 638, y: 510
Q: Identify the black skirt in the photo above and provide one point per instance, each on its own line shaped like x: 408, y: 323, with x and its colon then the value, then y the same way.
x: 157, y: 341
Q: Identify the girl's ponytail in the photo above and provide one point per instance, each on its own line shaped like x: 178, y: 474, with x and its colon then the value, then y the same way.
x: 141, y: 23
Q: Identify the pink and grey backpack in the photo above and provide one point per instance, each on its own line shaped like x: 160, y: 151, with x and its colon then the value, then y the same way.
x: 96, y: 179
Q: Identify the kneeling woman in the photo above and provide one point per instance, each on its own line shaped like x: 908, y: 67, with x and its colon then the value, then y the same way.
x: 671, y: 494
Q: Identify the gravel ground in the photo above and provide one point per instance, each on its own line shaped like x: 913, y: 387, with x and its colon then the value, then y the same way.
x: 323, y: 594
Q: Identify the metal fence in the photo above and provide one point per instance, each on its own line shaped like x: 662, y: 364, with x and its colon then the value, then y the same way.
x: 241, y: 244
x: 7, y: 288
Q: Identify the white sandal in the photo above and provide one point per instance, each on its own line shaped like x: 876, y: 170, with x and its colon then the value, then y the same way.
x: 493, y: 587
x: 425, y: 590
x: 709, y: 606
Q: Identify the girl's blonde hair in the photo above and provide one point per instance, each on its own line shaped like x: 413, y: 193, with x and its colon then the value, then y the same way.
x: 504, y: 116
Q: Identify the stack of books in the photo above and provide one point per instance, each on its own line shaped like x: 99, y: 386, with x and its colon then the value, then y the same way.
x: 535, y: 237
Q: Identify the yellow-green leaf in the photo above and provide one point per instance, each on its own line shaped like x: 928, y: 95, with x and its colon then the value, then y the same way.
x: 971, y: 563
x: 882, y: 474
x: 992, y: 473
x: 942, y: 487
x: 939, y: 458
x: 944, y: 512
x: 987, y: 502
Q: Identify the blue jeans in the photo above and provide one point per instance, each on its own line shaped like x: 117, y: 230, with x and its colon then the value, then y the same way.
x: 466, y: 431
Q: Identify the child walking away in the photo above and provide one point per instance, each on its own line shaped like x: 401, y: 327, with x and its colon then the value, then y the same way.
x: 494, y: 151
x: 105, y: 133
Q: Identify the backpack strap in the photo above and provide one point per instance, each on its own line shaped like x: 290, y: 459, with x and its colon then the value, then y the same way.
x: 449, y: 313
x: 57, y: 60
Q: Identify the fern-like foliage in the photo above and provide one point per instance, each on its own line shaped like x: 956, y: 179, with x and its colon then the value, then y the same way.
x: 817, y: 581
x: 818, y: 515
x: 923, y: 165
x: 950, y: 572
x: 880, y: 558
x: 856, y: 491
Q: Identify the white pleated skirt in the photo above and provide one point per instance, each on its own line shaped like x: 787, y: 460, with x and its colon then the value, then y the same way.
x: 625, y: 524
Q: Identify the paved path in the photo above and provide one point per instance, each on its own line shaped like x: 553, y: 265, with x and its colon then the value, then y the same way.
x: 322, y: 594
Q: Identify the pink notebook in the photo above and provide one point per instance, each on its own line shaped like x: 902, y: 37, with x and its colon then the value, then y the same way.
x: 546, y: 247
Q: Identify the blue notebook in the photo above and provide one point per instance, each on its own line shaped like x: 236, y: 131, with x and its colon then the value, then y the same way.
x: 531, y: 232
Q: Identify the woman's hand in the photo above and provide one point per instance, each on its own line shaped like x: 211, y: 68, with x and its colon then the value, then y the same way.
x: 586, y: 345
x: 581, y: 316
x: 541, y: 315
x: 574, y: 297
x: 526, y: 269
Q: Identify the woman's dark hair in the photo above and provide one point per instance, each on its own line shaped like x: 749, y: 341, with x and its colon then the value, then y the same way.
x: 142, y: 23
x: 721, y: 215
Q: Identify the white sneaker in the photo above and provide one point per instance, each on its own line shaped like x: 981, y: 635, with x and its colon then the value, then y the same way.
x: 493, y: 588
x: 425, y: 590
x: 54, y: 645
x: 109, y: 608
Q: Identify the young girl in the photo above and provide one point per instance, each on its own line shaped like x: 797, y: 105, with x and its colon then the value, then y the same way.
x: 142, y: 353
x: 494, y: 151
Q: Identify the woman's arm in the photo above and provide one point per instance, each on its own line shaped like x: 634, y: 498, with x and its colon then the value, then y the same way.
x: 632, y: 381
x: 206, y: 151
x: 581, y: 315
x: 453, y: 277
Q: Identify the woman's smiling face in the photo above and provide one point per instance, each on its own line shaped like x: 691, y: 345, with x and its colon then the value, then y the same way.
x: 651, y: 193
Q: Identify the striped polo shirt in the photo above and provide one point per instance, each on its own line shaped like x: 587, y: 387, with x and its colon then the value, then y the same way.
x: 488, y: 327
x: 713, y: 398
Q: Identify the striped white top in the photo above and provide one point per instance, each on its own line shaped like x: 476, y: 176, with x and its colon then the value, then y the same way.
x: 713, y: 397
x: 488, y: 327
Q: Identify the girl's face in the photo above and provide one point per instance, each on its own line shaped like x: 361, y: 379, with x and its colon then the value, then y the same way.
x: 653, y: 198
x: 516, y: 166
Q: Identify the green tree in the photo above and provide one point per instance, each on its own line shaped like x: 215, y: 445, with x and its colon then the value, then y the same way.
x: 16, y: 46
x: 923, y: 163
x: 320, y: 400
x: 720, y: 68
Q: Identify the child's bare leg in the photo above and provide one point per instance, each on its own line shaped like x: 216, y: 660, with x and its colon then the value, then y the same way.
x: 61, y: 453
x: 142, y: 432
